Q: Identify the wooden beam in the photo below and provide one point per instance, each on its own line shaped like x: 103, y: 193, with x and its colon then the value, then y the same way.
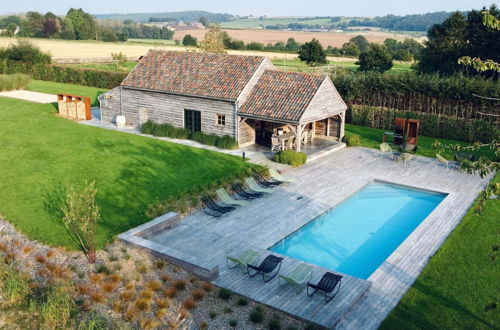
x: 298, y: 139
x: 292, y: 128
x: 243, y: 119
x: 342, y: 125
x: 328, y: 126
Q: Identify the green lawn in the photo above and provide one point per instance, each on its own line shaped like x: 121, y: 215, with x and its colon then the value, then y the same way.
x: 372, y: 137
x: 55, y: 88
x: 460, y: 285
x: 40, y: 153
x: 126, y: 67
x: 297, y: 65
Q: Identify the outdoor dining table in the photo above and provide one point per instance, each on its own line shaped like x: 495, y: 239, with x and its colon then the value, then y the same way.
x: 285, y: 137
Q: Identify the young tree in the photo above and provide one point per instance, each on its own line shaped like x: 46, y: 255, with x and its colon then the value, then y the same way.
x: 80, y: 217
x: 292, y: 45
x: 361, y: 42
x: 377, y: 58
x: 204, y: 20
x: 312, y: 53
x: 214, y: 40
x: 119, y: 59
x: 189, y: 40
x: 350, y: 49
x: 68, y: 33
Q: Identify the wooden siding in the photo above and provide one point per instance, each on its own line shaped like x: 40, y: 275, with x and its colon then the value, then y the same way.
x: 166, y: 108
x: 265, y: 65
x: 326, y: 103
x: 246, y: 132
x: 320, y: 127
x: 335, y: 126
x: 110, y: 105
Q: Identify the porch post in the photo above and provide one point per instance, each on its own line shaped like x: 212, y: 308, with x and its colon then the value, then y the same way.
x: 328, y: 126
x: 342, y: 125
x: 313, y: 131
x: 298, y: 140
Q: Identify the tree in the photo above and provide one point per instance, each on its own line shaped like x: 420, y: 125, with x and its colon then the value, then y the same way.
x: 312, y: 53
x: 108, y: 35
x: 84, y: 24
x: 292, y: 45
x: 204, y: 20
x: 230, y: 43
x: 361, y: 42
x: 51, y: 25
x: 484, y: 65
x: 214, y: 40
x: 350, y: 49
x: 119, y: 58
x: 4, y: 22
x: 68, y: 33
x: 189, y: 40
x: 459, y: 36
x: 167, y: 33
x: 377, y: 58
x: 80, y: 217
x: 11, y: 29
x: 34, y: 24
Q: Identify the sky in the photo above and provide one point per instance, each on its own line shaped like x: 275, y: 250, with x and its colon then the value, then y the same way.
x: 254, y: 7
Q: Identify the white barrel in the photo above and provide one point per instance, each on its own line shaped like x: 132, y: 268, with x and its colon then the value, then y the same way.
x: 120, y: 121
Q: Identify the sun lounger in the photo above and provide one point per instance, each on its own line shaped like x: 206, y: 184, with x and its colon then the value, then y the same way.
x: 446, y: 162
x: 298, y: 277
x: 243, y: 260
x: 266, y: 268
x: 243, y: 193
x: 266, y: 183
x: 226, y: 198
x: 278, y: 177
x: 255, y: 186
x: 386, y: 148
x: 214, y: 209
x: 327, y: 284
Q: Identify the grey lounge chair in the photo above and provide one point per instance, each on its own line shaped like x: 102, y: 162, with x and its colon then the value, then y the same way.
x: 298, y: 277
x: 327, y: 284
x: 256, y: 187
x: 278, y: 177
x: 226, y: 198
x: 243, y: 260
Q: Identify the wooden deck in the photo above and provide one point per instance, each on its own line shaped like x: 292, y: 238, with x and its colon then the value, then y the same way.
x: 320, y: 185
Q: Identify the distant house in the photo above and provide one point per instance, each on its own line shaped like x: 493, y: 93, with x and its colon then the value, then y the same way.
x: 244, y: 97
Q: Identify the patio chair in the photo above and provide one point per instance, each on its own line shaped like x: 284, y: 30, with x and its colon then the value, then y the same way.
x: 447, y: 163
x: 278, y: 177
x: 327, y: 284
x: 303, y: 137
x: 406, y: 157
x: 256, y: 187
x: 408, y: 147
x: 264, y: 182
x: 309, y: 135
x: 386, y: 148
x: 226, y: 198
x: 245, y: 258
x: 214, y: 209
x: 298, y: 277
x: 275, y: 144
x: 289, y: 144
x: 245, y: 194
x: 266, y: 268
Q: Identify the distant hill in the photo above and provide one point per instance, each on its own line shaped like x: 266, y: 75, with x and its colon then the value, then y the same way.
x: 419, y: 22
x: 186, y: 16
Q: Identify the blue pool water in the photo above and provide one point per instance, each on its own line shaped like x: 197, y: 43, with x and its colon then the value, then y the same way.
x: 356, y: 236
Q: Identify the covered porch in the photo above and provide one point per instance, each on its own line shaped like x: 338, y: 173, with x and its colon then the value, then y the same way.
x: 277, y: 135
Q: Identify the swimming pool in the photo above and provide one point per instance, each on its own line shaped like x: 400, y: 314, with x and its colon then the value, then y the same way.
x: 356, y: 236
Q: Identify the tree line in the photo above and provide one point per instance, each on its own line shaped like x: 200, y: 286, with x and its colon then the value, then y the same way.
x: 78, y: 25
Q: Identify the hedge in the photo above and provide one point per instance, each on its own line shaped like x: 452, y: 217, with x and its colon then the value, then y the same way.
x: 65, y: 74
x: 432, y: 125
x: 290, y: 157
x: 455, y: 96
x: 14, y: 81
x: 166, y: 130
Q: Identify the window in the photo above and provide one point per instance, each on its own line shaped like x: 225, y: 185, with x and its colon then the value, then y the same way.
x: 221, y: 120
x: 192, y: 120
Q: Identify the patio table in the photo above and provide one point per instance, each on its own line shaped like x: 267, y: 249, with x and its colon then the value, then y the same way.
x: 285, y: 137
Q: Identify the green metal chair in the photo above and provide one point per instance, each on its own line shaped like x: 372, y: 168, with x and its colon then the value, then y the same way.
x: 228, y: 199
x: 298, y: 277
x: 243, y: 260
x: 256, y: 187
x: 278, y: 177
x: 386, y: 148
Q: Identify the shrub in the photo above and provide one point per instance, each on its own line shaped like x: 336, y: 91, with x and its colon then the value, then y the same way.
x: 257, y: 315
x: 242, y: 302
x: 208, y: 139
x: 274, y: 323
x: 189, y: 304
x: 198, y: 294
x: 207, y: 286
x: 226, y: 142
x: 224, y: 294
x: 13, y: 284
x: 154, y: 285
x: 179, y: 284
x: 351, y: 140
x: 290, y: 157
x: 212, y: 315
x: 56, y: 311
x: 170, y: 292
x: 25, y: 51
x: 13, y: 81
x: 233, y: 323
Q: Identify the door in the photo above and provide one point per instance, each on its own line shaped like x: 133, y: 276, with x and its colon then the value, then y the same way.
x: 192, y: 120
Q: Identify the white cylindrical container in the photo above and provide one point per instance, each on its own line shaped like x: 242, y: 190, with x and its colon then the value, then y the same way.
x: 121, y: 121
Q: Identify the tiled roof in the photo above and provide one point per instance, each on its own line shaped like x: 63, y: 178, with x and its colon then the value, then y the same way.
x: 219, y: 76
x: 282, y: 95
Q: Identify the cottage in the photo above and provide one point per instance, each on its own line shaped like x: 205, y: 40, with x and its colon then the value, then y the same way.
x: 244, y: 97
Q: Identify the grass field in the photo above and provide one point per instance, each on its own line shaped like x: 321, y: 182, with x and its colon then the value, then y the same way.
x: 41, y: 154
x: 459, y: 287
x: 253, y: 23
x: 297, y: 65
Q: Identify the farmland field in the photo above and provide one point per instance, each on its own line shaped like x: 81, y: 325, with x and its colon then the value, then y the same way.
x: 255, y: 22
